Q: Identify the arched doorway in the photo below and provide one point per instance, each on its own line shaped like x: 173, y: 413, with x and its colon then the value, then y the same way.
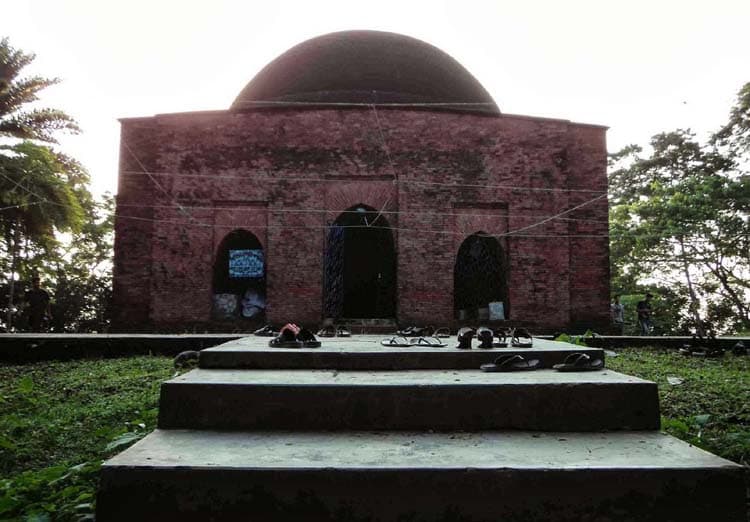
x: 239, y: 278
x: 479, y: 276
x: 360, y: 266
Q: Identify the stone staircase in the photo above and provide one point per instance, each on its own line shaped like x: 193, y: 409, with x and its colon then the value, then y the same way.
x: 353, y: 431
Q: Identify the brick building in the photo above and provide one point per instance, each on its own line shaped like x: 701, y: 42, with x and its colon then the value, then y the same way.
x: 360, y: 175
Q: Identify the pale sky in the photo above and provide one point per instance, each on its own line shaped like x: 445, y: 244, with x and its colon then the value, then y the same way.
x: 639, y: 67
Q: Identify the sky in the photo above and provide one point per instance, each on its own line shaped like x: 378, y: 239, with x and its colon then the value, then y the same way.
x: 640, y: 67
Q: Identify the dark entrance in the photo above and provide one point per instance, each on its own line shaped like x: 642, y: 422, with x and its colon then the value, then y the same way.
x: 360, y: 266
x: 239, y: 279
x: 479, y: 276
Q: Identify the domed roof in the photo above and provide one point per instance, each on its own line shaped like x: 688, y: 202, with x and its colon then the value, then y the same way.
x: 366, y: 67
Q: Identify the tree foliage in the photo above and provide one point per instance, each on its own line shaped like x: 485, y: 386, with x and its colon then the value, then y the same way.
x: 16, y: 93
x: 43, y: 195
x: 680, y: 219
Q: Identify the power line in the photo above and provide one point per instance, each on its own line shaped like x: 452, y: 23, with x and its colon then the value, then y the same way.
x: 265, y: 177
x: 437, y: 213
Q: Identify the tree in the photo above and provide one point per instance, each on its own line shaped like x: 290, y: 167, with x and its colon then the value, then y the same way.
x: 82, y: 271
x: 680, y: 216
x: 39, y: 187
x: 36, y: 202
x: 16, y: 93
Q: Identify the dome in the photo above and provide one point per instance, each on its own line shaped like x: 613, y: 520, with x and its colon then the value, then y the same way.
x: 366, y: 67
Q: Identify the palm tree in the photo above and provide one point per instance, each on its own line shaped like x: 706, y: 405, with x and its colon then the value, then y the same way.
x: 16, y: 93
x: 38, y: 193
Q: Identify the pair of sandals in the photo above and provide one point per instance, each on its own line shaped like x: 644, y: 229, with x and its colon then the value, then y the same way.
x: 416, y: 331
x: 293, y: 336
x: 516, y: 337
x: 575, y: 362
x: 703, y: 347
x: 334, y: 331
x: 400, y: 341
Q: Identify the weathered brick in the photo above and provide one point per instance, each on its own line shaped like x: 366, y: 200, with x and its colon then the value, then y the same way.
x: 187, y: 180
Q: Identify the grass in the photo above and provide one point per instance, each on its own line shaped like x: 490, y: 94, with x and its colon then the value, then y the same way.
x: 59, y: 420
x: 710, y: 407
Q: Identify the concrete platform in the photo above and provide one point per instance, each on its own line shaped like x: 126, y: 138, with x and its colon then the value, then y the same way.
x: 364, y: 352
x: 390, y: 476
x: 18, y: 348
x: 408, y: 400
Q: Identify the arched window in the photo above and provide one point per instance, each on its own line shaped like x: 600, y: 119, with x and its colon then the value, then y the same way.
x: 479, y: 276
x: 239, y: 278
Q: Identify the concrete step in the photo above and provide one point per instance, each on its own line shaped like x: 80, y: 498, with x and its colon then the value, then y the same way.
x: 364, y: 352
x: 396, y: 476
x: 408, y: 400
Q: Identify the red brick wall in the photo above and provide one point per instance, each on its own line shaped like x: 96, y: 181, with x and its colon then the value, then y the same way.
x: 438, y: 177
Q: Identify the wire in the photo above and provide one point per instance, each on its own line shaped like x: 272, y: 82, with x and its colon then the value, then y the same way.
x: 386, y: 212
x: 155, y: 182
x: 556, y: 215
x: 400, y: 229
x: 251, y: 176
x: 21, y: 205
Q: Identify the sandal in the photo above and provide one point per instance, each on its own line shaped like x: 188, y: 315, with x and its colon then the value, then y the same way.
x: 521, y: 338
x: 502, y: 338
x: 287, y: 337
x: 409, y: 330
x: 396, y: 341
x: 266, y: 331
x: 327, y: 331
x: 511, y: 363
x: 307, y: 339
x: 464, y: 338
x: 342, y: 331
x: 579, y: 362
x: 428, y: 341
x: 485, y: 337
x: 442, y: 332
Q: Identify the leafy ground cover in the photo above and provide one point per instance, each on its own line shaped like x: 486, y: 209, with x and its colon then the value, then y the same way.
x: 59, y: 420
x: 704, y: 401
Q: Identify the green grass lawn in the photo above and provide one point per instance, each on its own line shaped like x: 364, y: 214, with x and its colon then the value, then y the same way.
x: 710, y: 408
x: 58, y: 420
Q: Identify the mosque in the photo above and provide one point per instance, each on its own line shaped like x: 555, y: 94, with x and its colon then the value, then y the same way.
x: 361, y: 176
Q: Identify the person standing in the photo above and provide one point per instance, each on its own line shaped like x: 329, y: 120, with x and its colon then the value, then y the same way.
x: 644, y: 315
x: 38, y: 303
x: 617, y: 310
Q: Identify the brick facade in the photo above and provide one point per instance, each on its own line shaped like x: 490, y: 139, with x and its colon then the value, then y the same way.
x: 187, y: 180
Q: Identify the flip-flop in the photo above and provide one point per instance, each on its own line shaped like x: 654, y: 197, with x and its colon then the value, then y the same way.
x: 396, y: 341
x: 343, y: 331
x: 433, y: 342
x: 307, y: 339
x: 502, y: 338
x: 442, y: 332
x: 511, y: 363
x: 287, y: 338
x: 521, y: 338
x: 464, y: 338
x: 485, y: 337
x: 409, y: 330
x: 327, y: 331
x: 266, y: 331
x: 579, y: 362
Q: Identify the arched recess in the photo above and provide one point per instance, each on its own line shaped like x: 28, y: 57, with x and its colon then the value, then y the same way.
x: 239, y: 277
x: 479, y: 276
x: 360, y: 266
